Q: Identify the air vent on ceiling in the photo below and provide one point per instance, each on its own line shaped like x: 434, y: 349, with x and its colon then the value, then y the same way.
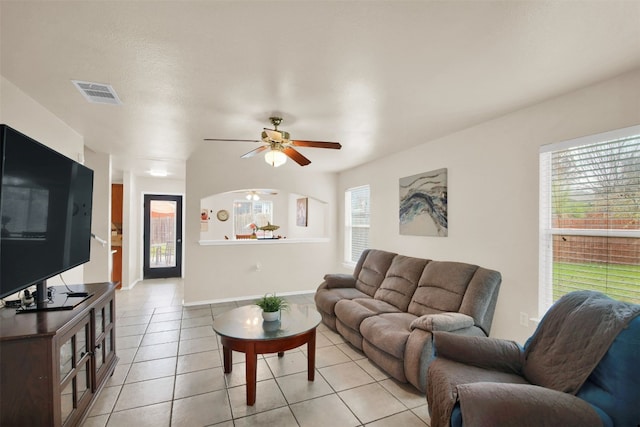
x: 98, y: 93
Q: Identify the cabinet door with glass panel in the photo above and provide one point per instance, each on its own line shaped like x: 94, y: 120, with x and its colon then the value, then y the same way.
x: 75, y: 372
x: 104, y: 330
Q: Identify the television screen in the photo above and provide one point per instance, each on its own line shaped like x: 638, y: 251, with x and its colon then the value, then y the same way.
x: 45, y: 212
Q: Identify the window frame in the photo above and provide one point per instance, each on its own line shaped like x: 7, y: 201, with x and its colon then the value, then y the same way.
x: 349, y: 223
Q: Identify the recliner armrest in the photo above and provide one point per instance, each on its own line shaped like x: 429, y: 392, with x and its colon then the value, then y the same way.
x: 339, y: 281
x: 483, y: 352
x: 442, y: 322
x: 523, y: 405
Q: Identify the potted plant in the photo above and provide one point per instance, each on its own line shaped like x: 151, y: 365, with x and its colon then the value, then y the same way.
x: 271, y: 304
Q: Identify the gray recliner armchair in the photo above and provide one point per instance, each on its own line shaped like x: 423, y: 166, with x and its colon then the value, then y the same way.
x: 580, y: 368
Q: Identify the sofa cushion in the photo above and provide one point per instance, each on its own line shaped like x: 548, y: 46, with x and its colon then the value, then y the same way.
x: 441, y: 287
x: 401, y: 281
x: 373, y: 270
x: 388, y: 332
x: 353, y: 312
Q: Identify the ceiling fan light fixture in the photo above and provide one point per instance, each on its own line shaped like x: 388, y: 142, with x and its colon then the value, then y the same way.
x: 158, y: 173
x: 275, y: 158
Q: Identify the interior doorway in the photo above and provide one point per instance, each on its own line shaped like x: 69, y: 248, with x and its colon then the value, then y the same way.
x: 162, y: 236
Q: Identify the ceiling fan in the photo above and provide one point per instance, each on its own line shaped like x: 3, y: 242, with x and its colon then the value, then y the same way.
x: 279, y: 146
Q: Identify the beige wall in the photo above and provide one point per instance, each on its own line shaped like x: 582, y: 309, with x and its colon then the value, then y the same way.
x: 493, y: 189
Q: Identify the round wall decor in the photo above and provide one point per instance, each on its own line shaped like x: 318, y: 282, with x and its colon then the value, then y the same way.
x: 222, y: 215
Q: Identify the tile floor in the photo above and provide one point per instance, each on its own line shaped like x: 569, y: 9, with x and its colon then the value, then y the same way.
x: 170, y: 374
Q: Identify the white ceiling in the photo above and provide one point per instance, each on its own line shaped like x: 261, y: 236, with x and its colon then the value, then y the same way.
x: 375, y: 76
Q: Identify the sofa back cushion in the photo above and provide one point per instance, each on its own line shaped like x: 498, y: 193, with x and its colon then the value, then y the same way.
x: 401, y: 281
x: 371, y: 270
x: 441, y: 287
x: 457, y: 287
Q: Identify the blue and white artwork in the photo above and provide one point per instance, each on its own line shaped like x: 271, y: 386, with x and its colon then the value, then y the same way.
x: 423, y: 204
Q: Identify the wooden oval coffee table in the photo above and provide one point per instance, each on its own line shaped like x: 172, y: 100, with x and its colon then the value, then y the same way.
x: 242, y: 329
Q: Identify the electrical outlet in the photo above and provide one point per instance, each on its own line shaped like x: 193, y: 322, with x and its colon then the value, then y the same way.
x: 524, y: 319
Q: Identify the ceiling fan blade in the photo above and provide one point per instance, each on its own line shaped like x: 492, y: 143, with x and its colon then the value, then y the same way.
x: 273, y: 135
x: 254, y: 152
x: 232, y: 140
x: 296, y: 156
x: 316, y: 144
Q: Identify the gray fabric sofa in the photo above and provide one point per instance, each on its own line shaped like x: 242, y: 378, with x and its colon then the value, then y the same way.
x: 392, y: 304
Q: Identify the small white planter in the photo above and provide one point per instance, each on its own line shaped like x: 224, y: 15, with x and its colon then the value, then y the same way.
x: 271, y: 316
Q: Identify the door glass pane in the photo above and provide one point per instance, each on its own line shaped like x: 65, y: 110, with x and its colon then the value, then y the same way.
x: 66, y: 401
x: 81, y: 343
x: 99, y: 355
x: 107, y: 315
x: 99, y: 327
x: 162, y: 234
x: 82, y: 381
x: 66, y: 352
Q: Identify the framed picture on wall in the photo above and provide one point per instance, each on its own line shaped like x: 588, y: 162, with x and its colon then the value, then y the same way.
x: 423, y: 204
x: 301, y: 211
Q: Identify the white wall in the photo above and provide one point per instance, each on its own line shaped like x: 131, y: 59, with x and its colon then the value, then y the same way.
x: 229, y: 270
x: 98, y: 269
x: 130, y: 239
x: 24, y: 114
x: 493, y: 189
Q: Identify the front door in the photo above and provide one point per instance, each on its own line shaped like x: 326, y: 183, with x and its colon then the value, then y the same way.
x: 162, y: 236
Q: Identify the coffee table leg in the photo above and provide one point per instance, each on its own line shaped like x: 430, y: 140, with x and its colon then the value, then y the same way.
x: 281, y: 354
x: 311, y: 356
x: 251, y: 365
x: 228, y: 363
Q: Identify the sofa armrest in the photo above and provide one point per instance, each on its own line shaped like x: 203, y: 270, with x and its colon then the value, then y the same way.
x: 522, y: 405
x: 442, y: 322
x: 483, y: 352
x: 339, y: 281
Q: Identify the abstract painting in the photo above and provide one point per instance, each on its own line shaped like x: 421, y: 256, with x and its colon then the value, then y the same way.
x: 423, y: 204
x: 301, y: 211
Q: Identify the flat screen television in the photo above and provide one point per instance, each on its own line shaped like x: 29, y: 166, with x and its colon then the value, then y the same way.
x: 45, y: 214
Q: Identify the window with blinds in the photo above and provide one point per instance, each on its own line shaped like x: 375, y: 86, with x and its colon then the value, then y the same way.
x: 590, y: 216
x: 356, y: 222
x: 248, y: 215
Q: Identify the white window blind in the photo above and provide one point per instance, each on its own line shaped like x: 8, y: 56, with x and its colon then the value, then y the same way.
x: 590, y: 216
x: 356, y: 222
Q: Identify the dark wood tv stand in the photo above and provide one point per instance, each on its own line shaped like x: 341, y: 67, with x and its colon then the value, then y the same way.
x: 54, y: 363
